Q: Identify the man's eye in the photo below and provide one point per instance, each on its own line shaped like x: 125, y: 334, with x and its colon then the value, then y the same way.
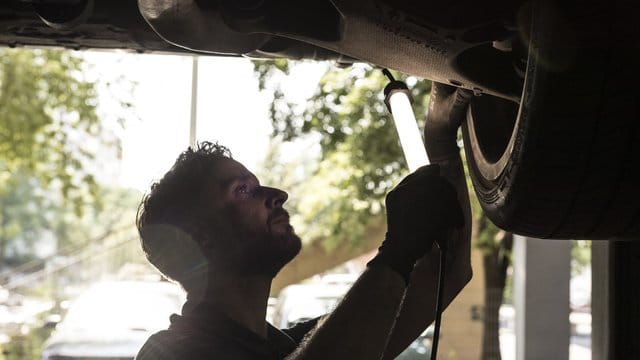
x: 244, y: 191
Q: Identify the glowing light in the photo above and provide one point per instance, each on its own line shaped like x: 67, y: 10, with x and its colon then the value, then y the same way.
x: 408, y: 131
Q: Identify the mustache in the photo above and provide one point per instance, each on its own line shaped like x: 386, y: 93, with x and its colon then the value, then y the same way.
x: 278, y: 213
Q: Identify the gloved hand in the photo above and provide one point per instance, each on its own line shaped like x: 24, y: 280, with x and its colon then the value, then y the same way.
x: 422, y: 209
x: 447, y: 111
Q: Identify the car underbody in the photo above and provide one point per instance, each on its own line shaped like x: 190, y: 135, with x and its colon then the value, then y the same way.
x: 440, y: 41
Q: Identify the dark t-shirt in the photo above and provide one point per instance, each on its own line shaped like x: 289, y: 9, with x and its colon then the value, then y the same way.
x: 213, y: 336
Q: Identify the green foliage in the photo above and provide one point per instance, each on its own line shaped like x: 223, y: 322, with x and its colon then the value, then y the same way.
x: 47, y: 111
x: 32, y: 220
x: 50, y: 134
x: 23, y: 216
x: 488, y: 236
x: 580, y: 255
x: 267, y: 69
x: 27, y: 346
x: 116, y: 213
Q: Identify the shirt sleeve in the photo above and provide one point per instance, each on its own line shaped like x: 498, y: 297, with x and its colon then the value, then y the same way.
x: 153, y: 349
x: 166, y: 345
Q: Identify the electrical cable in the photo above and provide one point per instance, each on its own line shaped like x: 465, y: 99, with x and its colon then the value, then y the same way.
x: 388, y: 74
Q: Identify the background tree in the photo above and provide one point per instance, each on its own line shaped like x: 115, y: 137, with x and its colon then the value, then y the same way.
x: 23, y: 217
x: 360, y: 160
x: 44, y: 106
x: 51, y: 139
x: 496, y: 246
x: 59, y: 225
x: 48, y: 112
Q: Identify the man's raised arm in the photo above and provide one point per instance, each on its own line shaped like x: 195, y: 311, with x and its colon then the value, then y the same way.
x: 424, y: 207
x: 421, y: 208
x: 447, y: 109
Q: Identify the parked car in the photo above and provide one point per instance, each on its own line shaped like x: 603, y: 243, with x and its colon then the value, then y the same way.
x: 112, y: 320
x: 551, y: 137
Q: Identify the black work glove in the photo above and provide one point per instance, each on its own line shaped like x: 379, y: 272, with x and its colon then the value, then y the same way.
x: 422, y: 209
x: 447, y: 111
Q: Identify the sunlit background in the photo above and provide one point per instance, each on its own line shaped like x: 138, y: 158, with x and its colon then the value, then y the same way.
x: 73, y: 280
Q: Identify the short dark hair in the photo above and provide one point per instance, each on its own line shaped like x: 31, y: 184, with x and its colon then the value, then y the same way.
x: 170, y: 217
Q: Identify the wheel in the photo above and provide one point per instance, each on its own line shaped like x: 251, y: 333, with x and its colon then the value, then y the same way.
x: 564, y: 163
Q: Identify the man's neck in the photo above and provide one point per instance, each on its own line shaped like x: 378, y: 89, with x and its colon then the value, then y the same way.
x: 241, y: 298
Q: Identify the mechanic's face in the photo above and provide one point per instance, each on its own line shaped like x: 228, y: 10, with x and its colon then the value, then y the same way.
x: 259, y: 238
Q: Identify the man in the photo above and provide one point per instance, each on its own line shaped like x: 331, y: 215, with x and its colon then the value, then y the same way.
x: 211, y: 226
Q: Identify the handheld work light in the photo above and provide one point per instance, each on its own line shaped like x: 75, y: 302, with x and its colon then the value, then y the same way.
x: 398, y: 101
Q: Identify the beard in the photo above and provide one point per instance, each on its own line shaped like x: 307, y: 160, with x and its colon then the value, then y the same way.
x: 256, y: 251
x: 267, y: 256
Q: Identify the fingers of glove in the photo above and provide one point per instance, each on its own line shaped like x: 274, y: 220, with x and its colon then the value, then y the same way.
x: 414, y: 185
x: 453, y: 216
x: 428, y: 205
x: 427, y: 171
x: 423, y: 188
x: 420, y: 241
x: 420, y: 173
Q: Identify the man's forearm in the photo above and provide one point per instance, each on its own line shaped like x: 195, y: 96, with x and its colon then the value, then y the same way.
x: 418, y: 307
x: 360, y: 325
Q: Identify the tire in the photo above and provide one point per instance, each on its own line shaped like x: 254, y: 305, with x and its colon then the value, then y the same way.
x: 565, y: 162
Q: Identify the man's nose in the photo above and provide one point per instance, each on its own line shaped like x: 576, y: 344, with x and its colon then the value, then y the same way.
x: 275, y: 197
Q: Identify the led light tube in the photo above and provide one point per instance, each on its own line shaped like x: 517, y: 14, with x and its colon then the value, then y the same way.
x: 408, y: 131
